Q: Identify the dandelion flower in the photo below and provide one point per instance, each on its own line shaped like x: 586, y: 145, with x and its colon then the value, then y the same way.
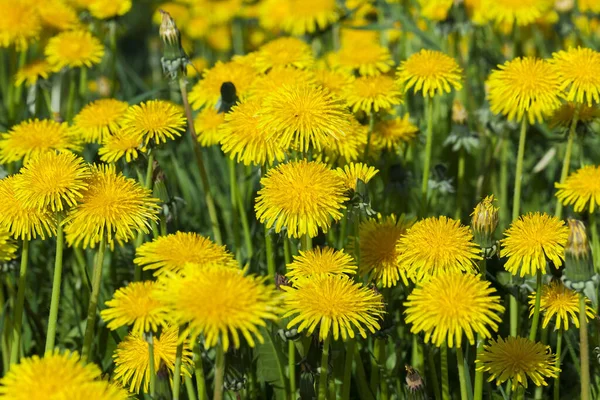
x: 368, y: 60
x: 284, y: 52
x: 33, y: 137
x: 278, y: 77
x: 132, y: 359
x: 334, y: 303
x: 431, y: 72
x: 242, y: 139
x: 99, y: 119
x: 509, y: 12
x: 207, y: 124
x: 303, y: 116
x: 322, y: 260
x: 58, y: 14
x: 122, y: 144
x: 353, y: 172
x: 309, y: 16
x: 588, y: 6
x: 558, y: 301
x: 72, y: 49
x: 32, y: 72
x: 435, y: 10
x: 564, y: 115
x: 372, y: 94
x: 172, y: 252
x: 389, y: 134
x: 333, y: 80
x: 196, y: 66
x: 351, y: 146
x: 8, y: 247
x: 581, y: 188
x: 579, y: 71
x: 452, y: 304
x: 301, y: 196
x: 435, y: 245
x: 112, y: 206
x: 20, y: 221
x: 517, y: 358
x: 219, y: 303
x: 531, y: 240
x: 156, y: 120
x: 107, y: 9
x: 100, y: 390
x: 19, y: 26
x: 525, y: 87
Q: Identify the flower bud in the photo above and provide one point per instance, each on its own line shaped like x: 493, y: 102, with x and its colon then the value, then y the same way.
x: 578, y: 261
x: 484, y: 221
x: 174, y: 59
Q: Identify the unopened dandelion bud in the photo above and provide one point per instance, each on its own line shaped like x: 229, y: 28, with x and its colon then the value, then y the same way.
x: 484, y: 221
x: 459, y: 112
x: 168, y: 29
x: 174, y: 59
x: 578, y: 261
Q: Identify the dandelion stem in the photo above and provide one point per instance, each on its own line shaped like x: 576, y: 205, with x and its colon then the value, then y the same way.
x: 82, y: 82
x: 324, y: 368
x: 478, y: 387
x: 56, y: 283
x: 177, y: 371
x: 219, y: 373
x: 199, y: 373
x: 292, y: 368
x: 536, y: 310
x: 444, y: 366
x: 15, y: 345
x: 460, y: 360
x: 287, y: 251
x: 417, y: 360
x: 428, y: 148
x: 235, y: 221
x: 460, y: 183
x: 558, y: 351
x: 71, y: 98
x: 369, y: 134
x: 189, y: 388
x: 374, y: 382
x: 245, y: 225
x: 91, y: 315
x: 595, y: 241
x: 434, y: 376
x: 383, y: 386
x: 306, y: 242
x: 347, y: 382
x: 151, y: 364
x: 269, y: 254
x: 567, y: 160
x: 584, y: 350
x: 504, y: 184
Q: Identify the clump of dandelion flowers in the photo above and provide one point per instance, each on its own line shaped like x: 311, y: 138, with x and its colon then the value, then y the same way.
x: 531, y: 240
x: 278, y: 77
x: 301, y: 196
x: 112, y: 206
x: 219, y: 303
x: 581, y: 189
x: 73, y: 49
x: 560, y: 302
x: 452, y: 304
x: 334, y: 303
x: 171, y: 253
x: 579, y: 71
x: 391, y: 133
x: 156, y: 120
x: 435, y: 245
x: 367, y: 59
x: 525, y: 88
x: 353, y: 172
x: 58, y: 15
x: 99, y: 119
x: 430, y: 72
x: 518, y: 359
x: 322, y: 260
x: 303, y: 116
x: 121, y: 144
x: 309, y: 16
x: 18, y: 25
x: 284, y: 52
x: 372, y: 93
x: 31, y: 73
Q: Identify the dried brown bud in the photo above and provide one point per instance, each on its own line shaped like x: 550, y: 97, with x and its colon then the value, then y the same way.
x: 414, y: 381
x: 168, y: 29
x: 459, y: 112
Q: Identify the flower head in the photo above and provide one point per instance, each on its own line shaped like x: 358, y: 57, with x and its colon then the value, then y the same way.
x: 451, y: 304
x: 484, y: 220
x: 301, y: 196
x: 334, y: 303
x: 8, y: 247
x: 353, y: 172
x: 579, y: 71
x: 32, y: 72
x: 122, y: 144
x: 525, y: 87
x: 284, y: 52
x: 333, y: 80
x: 207, y: 124
x: 156, y: 120
x: 73, y: 49
x: 558, y: 301
x: 322, y: 260
x: 435, y: 10
x: 517, y: 358
x: 349, y: 147
x: 99, y: 119
x: 106, y: 9
x: 431, y: 72
x: 434, y: 245
x: 308, y: 16
x: 278, y: 77
x: 58, y: 14
x: 390, y: 133
x: 509, y: 12
x: 18, y: 25
x: 531, y: 240
x: 369, y: 59
x: 581, y: 189
x: 372, y: 93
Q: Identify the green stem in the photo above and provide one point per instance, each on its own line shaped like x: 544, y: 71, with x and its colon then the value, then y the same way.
x: 383, y: 386
x: 287, y: 251
x: 151, y: 364
x: 504, y: 184
x: 478, y: 386
x: 460, y: 360
x: 245, y: 225
x: 219, y: 373
x: 149, y: 171
x: 15, y: 347
x: 82, y: 82
x: 536, y: 310
x: 428, y: 149
x: 460, y: 183
x: 91, y: 315
x: 417, y: 359
x: 56, y: 282
x: 233, y: 189
x: 292, y: 368
x: 324, y: 368
x: 539, y: 390
x: 306, y: 242
x: 558, y: 351
x: 71, y: 98
x: 584, y: 350
x: 269, y: 254
x: 567, y: 160
x: 434, y: 376
x: 199, y: 373
x: 189, y: 388
x: 519, y: 172
x: 444, y: 367
x: 369, y: 134
x: 595, y: 242
x: 347, y: 382
x: 374, y: 382
x: 177, y: 371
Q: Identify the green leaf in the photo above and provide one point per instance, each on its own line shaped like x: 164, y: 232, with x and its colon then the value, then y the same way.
x: 270, y: 364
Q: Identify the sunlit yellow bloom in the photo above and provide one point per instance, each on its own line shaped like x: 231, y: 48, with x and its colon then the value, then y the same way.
x: 179, y: 12
x: 106, y: 9
x: 198, y: 27
x: 581, y: 189
x: 112, y: 207
x: 351, y: 146
x: 579, y: 71
x: 156, y: 120
x: 333, y: 80
x: 509, y: 12
x: 451, y: 304
x: 284, y: 52
x: 322, y: 260
x: 371, y: 59
x: 32, y: 72
x: 100, y: 390
x: 564, y: 115
x: 8, y: 247
x: 431, y: 72
x: 207, y: 124
x: 435, y: 10
x: 300, y: 196
x: 122, y: 144
x: 372, y: 93
x: 99, y: 119
x: 588, y: 6
x: 73, y: 49
x: 33, y: 137
x: 335, y: 304
x: 278, y: 77
x: 219, y: 38
x: 560, y: 302
x: 517, y: 358
x: 19, y: 26
x: 353, y: 172
x: 58, y: 14
x: 525, y: 87
x: 172, y: 252
x: 196, y: 66
x: 271, y: 13
x: 531, y: 240
x: 391, y: 133
x: 219, y: 303
x: 308, y: 16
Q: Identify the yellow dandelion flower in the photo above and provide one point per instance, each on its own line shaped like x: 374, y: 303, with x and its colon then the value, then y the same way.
x: 435, y: 10
x: 20, y: 221
x: 351, y: 146
x: 309, y: 16
x: 122, y: 144
x: 525, y: 87
x: 333, y: 80
x: 132, y: 359
x: 321, y: 260
x: 517, y: 358
x: 588, y: 6
x: 272, y: 12
x: 564, y: 115
x: 389, y: 134
x: 452, y: 304
x: 196, y: 66
x: 106, y: 9
x: 179, y: 12
x: 135, y: 304
x: 435, y: 245
x: 207, y: 124
x: 303, y: 116
x: 19, y: 26
x: 99, y: 390
x: 579, y: 71
x: 581, y: 189
x: 52, y: 180
x: 284, y: 52
x: 368, y: 60
x: 353, y: 172
x: 33, y: 137
x: 301, y: 196
x: 531, y: 240
x: 560, y: 302
x: 32, y: 72
x: 509, y: 12
x: 172, y: 252
x: 372, y: 93
x: 219, y: 303
x: 241, y: 137
x: 198, y: 27
x: 58, y: 14
x: 334, y: 303
x: 112, y: 206
x: 431, y: 72
x: 73, y: 49
x: 219, y: 38
x: 206, y: 93
x: 99, y: 119
x: 278, y: 77
x: 156, y: 120
x: 8, y: 247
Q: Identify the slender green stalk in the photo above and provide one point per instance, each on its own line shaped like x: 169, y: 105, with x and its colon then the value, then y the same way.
x: 15, y: 346
x: 536, y: 310
x: 444, y: 367
x: 567, y: 160
x: 219, y: 373
x: 428, y: 149
x: 82, y: 82
x: 435, y: 382
x: 539, y: 390
x: 287, y: 251
x: 324, y: 368
x: 306, y: 242
x: 383, y: 386
x: 374, y: 382
x: 233, y: 189
x: 347, y: 382
x: 269, y: 254
x: 151, y: 364
x: 71, y: 98
x: 292, y: 368
x: 558, y: 351
x: 148, y: 183
x: 584, y: 350
x: 504, y: 183
x: 56, y: 283
x: 177, y: 371
x: 417, y: 357
x: 460, y: 183
x: 245, y: 226
x: 460, y: 361
x: 189, y: 388
x: 369, y: 134
x: 199, y: 374
x: 478, y: 386
x: 91, y: 315
x: 595, y: 241
x: 16, y: 91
